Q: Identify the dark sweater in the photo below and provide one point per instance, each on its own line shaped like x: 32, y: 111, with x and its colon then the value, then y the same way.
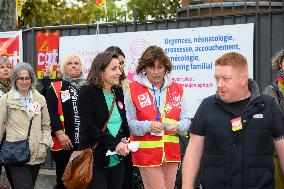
x: 94, y: 113
x: 68, y: 113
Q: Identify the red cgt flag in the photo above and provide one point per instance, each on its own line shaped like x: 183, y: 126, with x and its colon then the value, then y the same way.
x: 47, y: 47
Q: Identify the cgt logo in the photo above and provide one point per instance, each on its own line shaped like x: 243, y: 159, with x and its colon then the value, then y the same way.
x: 45, y: 56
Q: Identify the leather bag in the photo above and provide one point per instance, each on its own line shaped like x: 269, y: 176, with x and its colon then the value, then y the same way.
x: 78, y: 173
x: 16, y: 153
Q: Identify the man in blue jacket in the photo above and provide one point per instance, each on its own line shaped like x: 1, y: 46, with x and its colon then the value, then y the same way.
x: 233, y: 133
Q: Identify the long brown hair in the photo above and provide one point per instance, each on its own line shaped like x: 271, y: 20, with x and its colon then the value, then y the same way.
x: 99, y: 64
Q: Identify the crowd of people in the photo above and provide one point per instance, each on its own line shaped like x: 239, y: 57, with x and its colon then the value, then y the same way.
x: 236, y: 136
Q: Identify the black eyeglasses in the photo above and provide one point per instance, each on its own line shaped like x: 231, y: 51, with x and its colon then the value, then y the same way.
x: 24, y: 78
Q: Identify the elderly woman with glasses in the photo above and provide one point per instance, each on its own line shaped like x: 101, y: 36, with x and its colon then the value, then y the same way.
x: 61, y: 100
x: 21, y: 106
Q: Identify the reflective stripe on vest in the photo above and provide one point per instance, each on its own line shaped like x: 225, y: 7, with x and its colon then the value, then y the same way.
x: 171, y: 138
x: 153, y: 150
x: 56, y: 87
x: 151, y: 144
x: 61, y: 118
x: 159, y: 143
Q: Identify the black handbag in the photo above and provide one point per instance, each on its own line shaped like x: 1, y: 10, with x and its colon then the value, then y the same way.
x: 16, y: 153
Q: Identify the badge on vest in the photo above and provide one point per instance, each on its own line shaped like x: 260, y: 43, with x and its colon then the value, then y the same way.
x: 237, y: 124
x: 65, y: 95
x: 144, y: 100
x: 168, y: 107
x: 258, y: 116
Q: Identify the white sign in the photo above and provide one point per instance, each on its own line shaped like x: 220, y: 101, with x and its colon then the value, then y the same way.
x: 191, y: 50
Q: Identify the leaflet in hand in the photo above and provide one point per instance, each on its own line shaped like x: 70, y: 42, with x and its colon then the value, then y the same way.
x: 132, y: 146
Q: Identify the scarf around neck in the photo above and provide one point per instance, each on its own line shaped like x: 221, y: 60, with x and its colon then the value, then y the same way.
x: 5, y: 86
x: 280, y: 81
x: 76, y: 82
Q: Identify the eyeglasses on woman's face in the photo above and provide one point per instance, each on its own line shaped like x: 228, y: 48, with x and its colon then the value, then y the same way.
x: 24, y: 79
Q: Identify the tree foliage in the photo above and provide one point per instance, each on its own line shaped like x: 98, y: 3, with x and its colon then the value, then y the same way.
x: 158, y: 9
x: 55, y: 12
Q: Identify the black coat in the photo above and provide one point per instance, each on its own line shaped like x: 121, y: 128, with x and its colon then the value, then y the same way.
x: 94, y: 113
x: 68, y: 113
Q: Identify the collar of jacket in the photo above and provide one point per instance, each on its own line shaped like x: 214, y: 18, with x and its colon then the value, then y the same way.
x: 15, y: 102
x: 143, y: 80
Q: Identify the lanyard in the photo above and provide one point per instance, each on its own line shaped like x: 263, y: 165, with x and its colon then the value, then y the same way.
x: 157, y: 103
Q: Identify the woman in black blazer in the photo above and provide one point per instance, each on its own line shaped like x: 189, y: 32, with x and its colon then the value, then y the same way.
x: 94, y: 103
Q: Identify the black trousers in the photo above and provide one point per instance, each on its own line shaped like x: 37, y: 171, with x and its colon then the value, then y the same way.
x: 128, y: 174
x: 24, y: 177
x: 108, y: 178
x: 61, y: 159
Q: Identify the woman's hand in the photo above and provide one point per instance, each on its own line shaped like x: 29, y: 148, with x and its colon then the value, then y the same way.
x: 64, y: 140
x: 156, y: 127
x: 172, y: 129
x: 122, y: 149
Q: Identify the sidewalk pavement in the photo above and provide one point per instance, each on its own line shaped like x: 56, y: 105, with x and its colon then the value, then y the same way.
x: 46, y: 179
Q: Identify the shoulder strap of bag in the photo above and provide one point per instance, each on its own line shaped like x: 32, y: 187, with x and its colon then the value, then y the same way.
x: 276, y: 90
x: 105, y: 125
x: 30, y: 126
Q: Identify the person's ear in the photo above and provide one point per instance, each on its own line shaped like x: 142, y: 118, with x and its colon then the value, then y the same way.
x: 244, y: 78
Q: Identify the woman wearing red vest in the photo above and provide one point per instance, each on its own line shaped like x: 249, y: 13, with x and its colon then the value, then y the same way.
x: 156, y: 113
x: 61, y: 98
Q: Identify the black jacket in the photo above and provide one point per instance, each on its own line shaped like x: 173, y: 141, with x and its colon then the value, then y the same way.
x: 68, y: 113
x: 242, y: 159
x: 94, y: 113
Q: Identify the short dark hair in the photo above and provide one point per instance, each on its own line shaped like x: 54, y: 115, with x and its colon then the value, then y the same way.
x: 150, y: 55
x: 116, y: 50
x: 99, y: 64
